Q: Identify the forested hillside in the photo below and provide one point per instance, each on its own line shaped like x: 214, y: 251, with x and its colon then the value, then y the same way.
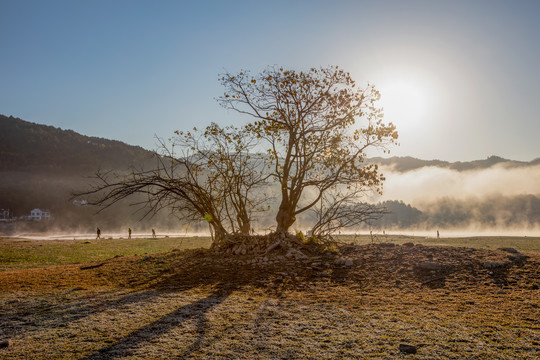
x: 25, y: 146
x: 41, y: 166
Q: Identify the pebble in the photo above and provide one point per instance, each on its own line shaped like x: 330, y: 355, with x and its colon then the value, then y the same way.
x: 344, y: 262
x: 407, y: 349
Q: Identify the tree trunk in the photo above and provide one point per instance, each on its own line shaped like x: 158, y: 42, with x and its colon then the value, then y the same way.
x: 219, y: 234
x: 245, y: 229
x: 284, y: 218
x: 244, y: 224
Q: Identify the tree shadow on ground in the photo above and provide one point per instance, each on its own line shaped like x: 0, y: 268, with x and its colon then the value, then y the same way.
x: 211, y: 269
x: 169, y: 273
x: 40, y: 313
x: 433, y: 279
x: 196, y: 310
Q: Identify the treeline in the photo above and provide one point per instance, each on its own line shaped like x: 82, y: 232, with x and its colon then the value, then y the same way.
x: 490, y: 212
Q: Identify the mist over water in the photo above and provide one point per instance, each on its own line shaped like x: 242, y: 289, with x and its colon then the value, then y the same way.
x: 426, y: 185
x: 499, y: 200
x: 456, y: 232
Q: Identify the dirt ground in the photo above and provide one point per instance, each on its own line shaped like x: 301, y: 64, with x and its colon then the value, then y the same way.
x: 362, y: 302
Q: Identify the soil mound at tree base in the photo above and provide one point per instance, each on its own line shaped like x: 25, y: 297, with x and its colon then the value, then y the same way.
x: 273, y: 243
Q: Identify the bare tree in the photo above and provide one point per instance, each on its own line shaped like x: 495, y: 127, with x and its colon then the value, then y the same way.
x: 310, y: 123
x: 225, y: 156
x: 314, y: 129
x: 338, y: 209
x: 208, y: 175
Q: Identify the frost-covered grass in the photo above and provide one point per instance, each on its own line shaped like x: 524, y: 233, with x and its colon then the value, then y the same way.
x: 198, y: 304
x: 324, y: 323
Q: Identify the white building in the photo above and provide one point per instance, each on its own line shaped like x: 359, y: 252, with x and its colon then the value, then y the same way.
x: 38, y: 215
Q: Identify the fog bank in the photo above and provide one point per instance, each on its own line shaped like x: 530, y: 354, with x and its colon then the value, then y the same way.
x: 426, y: 185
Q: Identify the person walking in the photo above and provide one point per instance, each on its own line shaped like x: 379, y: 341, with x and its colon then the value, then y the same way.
x: 153, y: 234
x: 98, y: 232
x: 129, y: 233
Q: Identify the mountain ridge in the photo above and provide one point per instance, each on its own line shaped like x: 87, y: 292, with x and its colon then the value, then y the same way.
x: 28, y: 146
x: 408, y: 163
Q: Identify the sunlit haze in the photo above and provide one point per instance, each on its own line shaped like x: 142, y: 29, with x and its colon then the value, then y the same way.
x: 408, y: 102
x: 460, y: 79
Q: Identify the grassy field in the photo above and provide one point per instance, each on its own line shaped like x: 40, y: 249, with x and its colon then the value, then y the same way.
x: 21, y: 253
x: 137, y: 299
x: 524, y: 244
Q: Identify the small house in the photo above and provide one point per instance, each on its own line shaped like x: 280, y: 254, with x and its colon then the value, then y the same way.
x: 38, y: 215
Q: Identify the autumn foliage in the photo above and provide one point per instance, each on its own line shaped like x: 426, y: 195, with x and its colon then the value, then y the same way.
x: 307, y: 134
x: 310, y: 123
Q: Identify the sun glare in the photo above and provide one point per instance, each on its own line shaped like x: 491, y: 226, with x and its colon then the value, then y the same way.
x: 405, y: 102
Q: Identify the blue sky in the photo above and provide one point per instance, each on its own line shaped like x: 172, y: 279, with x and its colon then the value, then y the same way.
x: 460, y: 79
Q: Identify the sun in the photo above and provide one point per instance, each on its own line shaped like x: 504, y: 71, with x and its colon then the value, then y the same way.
x: 405, y: 102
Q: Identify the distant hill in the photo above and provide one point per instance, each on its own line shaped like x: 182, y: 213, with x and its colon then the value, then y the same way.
x: 41, y: 166
x: 25, y: 146
x: 407, y: 163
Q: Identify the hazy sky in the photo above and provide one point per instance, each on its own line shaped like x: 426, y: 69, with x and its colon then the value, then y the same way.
x: 460, y: 79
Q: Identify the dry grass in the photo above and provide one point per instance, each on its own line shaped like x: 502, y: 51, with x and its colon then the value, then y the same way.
x: 20, y: 253
x: 521, y: 243
x: 196, y: 304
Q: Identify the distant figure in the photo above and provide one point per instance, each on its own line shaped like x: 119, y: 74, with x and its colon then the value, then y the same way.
x: 129, y: 233
x: 98, y: 232
x: 153, y: 234
x: 437, y: 234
